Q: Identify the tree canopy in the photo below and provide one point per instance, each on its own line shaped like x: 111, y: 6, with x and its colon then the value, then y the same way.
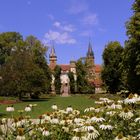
x: 131, y: 57
x: 24, y: 68
x: 111, y: 73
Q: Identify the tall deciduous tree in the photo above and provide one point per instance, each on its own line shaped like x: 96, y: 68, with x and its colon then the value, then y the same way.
x: 24, y: 69
x: 72, y: 82
x: 83, y: 85
x: 8, y: 41
x: 131, y: 63
x: 38, y: 51
x: 57, y: 73
x: 111, y: 73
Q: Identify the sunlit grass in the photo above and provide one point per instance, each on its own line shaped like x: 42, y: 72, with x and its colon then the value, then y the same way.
x: 43, y: 106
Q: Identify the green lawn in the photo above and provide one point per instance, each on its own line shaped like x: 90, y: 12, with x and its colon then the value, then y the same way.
x: 77, y: 102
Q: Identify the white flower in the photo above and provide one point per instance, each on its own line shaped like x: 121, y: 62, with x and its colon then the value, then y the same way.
x: 106, y: 100
x: 138, y: 136
x: 30, y: 105
x: 54, y: 121
x: 77, y: 130
x: 99, y: 102
x: 4, y: 120
x: 130, y: 101
x: 10, y: 109
x: 79, y: 138
x: 28, y: 109
x: 111, y: 113
x: 78, y: 120
x: 76, y: 112
x: 97, y: 110
x: 66, y: 129
x: 126, y: 114
x: 88, y: 128
x: 114, y: 106
x: 92, y: 135
x: 62, y: 112
x: 137, y: 119
x: 120, y: 101
x: 54, y: 107
x: 45, y: 133
x: 69, y: 109
x: 97, y: 119
x: 3, y: 129
x: 106, y: 127
x: 62, y: 122
x: 69, y: 121
x: 89, y: 109
x: 46, y: 117
x: 20, y: 138
x: 76, y: 138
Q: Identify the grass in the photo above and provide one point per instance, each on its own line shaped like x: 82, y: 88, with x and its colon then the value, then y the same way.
x: 79, y: 102
x: 43, y: 106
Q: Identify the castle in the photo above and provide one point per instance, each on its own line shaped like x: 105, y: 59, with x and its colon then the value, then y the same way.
x: 94, y: 70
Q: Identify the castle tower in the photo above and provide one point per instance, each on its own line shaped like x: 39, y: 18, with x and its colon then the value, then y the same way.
x: 90, y: 55
x: 52, y: 58
x: 90, y: 65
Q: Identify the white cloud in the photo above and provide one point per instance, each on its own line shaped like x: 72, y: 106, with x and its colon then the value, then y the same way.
x: 90, y: 19
x: 64, y: 27
x: 59, y: 38
x: 57, y: 24
x: 78, y: 7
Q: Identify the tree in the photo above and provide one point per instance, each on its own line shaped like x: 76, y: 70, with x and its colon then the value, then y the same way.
x: 57, y: 83
x: 39, y: 51
x: 24, y: 69
x: 111, y: 73
x: 83, y: 85
x: 8, y: 41
x: 72, y: 82
x: 131, y: 56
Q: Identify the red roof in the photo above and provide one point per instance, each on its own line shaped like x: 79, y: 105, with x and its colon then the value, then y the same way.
x: 65, y: 67
x: 98, y: 68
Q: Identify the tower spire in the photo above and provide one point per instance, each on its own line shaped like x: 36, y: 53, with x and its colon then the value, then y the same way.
x: 90, y: 51
x: 52, y: 58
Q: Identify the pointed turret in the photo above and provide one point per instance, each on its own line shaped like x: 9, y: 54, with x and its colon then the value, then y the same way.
x: 52, y: 53
x: 90, y: 51
x: 53, y: 58
x: 90, y: 55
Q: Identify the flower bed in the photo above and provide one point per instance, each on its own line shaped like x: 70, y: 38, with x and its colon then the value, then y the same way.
x: 107, y: 120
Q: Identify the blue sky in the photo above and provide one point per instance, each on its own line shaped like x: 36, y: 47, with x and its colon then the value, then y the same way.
x: 70, y: 24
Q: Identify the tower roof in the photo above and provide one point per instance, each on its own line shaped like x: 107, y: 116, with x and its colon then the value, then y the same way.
x: 90, y: 51
x: 52, y: 53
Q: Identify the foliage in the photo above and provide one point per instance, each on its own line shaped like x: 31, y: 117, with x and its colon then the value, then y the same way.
x: 8, y: 41
x: 83, y: 85
x: 131, y: 56
x: 57, y: 73
x: 72, y: 82
x: 111, y: 73
x: 24, y: 69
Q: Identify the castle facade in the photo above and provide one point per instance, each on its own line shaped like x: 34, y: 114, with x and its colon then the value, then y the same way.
x: 94, y: 70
